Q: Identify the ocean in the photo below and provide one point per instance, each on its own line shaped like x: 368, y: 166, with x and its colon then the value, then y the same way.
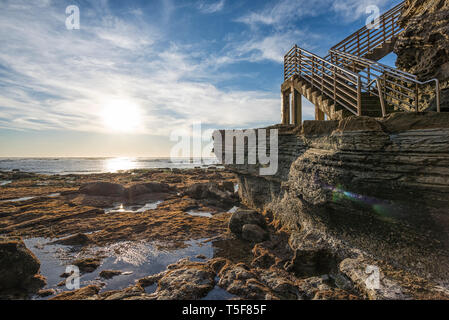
x: 98, y: 165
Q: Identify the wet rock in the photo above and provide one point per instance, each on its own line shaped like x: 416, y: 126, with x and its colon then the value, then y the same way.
x: 280, y: 283
x: 240, y: 218
x: 334, y: 294
x: 186, y: 281
x: 85, y: 293
x: 102, y: 189
x: 254, y: 233
x: 240, y: 280
x: 109, y: 274
x: 46, y: 293
x: 201, y: 256
x: 19, y: 268
x: 309, y: 287
x: 87, y: 265
x: 150, y: 280
x: 62, y: 283
x: 123, y: 294
x: 79, y: 239
x: 212, y: 193
x: 312, y: 262
x: 21, y: 175
x: 146, y: 188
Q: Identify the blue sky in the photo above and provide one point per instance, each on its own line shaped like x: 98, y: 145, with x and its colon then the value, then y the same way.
x: 137, y: 70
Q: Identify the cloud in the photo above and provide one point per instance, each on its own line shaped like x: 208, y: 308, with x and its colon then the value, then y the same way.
x: 53, y: 78
x: 211, y: 7
x: 284, y: 12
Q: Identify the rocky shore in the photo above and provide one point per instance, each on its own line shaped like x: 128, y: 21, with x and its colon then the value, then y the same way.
x: 91, y: 218
x: 250, y: 259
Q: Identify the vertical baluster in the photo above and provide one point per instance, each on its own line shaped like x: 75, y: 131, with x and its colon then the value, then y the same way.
x: 322, y: 75
x: 359, y: 96
x: 313, y: 70
x: 358, y: 43
x: 335, y: 87
x: 417, y: 98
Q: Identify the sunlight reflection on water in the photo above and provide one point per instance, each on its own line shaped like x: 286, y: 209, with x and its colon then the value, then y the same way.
x: 117, y: 164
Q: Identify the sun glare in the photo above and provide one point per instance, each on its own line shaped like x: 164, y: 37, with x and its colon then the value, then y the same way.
x: 118, y: 164
x: 121, y: 116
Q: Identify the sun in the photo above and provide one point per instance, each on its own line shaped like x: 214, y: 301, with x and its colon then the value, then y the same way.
x: 121, y: 116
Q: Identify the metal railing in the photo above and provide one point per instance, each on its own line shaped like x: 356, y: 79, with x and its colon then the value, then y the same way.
x: 366, y: 39
x: 395, y: 87
x: 345, y: 74
x: 342, y: 86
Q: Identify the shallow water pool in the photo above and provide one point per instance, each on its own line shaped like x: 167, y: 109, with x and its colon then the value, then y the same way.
x: 135, y: 259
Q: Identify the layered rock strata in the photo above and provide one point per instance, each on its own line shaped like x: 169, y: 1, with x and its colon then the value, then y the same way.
x: 361, y: 189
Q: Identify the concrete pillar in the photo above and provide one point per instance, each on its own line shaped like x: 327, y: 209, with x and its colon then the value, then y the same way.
x: 296, y: 107
x: 319, y: 115
x: 285, y: 107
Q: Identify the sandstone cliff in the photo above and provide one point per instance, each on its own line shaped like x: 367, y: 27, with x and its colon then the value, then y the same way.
x: 362, y: 187
x: 423, y: 47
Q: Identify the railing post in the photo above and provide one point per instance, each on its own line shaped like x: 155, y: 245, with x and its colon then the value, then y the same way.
x: 322, y: 76
x: 335, y: 87
x: 438, y: 96
x: 358, y: 43
x: 285, y: 67
x: 359, y: 96
x: 313, y: 70
x: 381, y: 97
x: 417, y: 98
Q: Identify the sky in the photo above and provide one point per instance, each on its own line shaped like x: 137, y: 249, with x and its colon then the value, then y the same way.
x: 137, y: 72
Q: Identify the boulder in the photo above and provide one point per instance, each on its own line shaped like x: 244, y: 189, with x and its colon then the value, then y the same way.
x: 146, y: 188
x: 186, y: 281
x: 19, y: 268
x: 239, y: 280
x: 213, y: 194
x: 107, y: 189
x: 254, y: 233
x: 241, y: 218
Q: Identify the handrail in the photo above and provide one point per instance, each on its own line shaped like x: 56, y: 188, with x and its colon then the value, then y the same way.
x: 394, y: 82
x: 345, y: 73
x: 366, y: 39
x: 340, y: 84
x: 372, y: 62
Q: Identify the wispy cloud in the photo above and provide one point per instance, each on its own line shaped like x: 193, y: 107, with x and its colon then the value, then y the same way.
x: 284, y: 12
x: 52, y: 78
x: 209, y: 6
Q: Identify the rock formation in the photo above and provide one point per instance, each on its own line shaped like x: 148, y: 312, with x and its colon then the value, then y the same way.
x: 423, y: 47
x: 19, y: 269
x: 358, y: 188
